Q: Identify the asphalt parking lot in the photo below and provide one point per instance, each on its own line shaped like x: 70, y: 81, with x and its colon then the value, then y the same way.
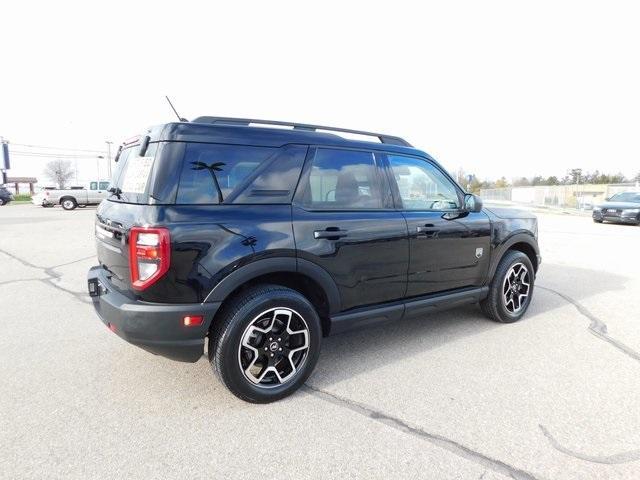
x: 555, y: 396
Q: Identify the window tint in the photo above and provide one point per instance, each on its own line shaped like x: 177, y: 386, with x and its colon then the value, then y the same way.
x: 343, y: 179
x: 210, y: 170
x: 422, y: 186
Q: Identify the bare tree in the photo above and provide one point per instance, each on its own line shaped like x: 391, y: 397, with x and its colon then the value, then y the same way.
x: 59, y: 171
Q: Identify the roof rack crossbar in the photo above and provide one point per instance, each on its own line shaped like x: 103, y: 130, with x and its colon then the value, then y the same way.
x: 390, y: 139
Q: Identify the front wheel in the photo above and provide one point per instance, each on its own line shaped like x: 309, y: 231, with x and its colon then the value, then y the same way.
x: 597, y: 221
x: 265, y: 343
x: 511, y: 289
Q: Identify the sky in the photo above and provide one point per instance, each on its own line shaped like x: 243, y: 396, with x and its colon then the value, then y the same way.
x: 498, y: 88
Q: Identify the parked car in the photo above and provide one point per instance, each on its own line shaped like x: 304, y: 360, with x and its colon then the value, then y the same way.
x: 620, y: 208
x: 5, y: 195
x: 70, y: 198
x: 262, y: 241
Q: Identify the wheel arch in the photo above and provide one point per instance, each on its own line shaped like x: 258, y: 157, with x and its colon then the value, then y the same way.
x: 300, y: 275
x: 67, y: 197
x: 521, y: 242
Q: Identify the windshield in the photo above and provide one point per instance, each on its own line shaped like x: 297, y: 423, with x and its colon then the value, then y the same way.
x: 626, y: 197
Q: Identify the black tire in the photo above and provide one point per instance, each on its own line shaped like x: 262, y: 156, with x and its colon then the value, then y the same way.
x: 597, y: 221
x: 238, y: 320
x: 69, y: 203
x: 2, y: 202
x: 495, y: 306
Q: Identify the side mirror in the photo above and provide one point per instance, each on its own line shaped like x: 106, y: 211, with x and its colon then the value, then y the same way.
x: 472, y: 203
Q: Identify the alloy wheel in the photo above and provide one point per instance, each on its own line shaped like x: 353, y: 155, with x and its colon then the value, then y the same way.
x: 516, y: 288
x: 274, y: 347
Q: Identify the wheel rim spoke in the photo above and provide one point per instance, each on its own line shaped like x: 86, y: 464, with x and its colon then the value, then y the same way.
x: 273, y: 347
x: 516, y: 288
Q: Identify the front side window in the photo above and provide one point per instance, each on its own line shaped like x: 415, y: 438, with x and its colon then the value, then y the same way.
x: 343, y: 179
x: 211, y: 172
x: 422, y: 186
x: 104, y: 185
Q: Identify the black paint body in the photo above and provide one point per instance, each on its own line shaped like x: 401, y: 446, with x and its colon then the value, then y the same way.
x: 391, y: 263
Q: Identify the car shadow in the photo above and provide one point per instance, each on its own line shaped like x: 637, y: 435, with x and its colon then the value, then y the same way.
x: 349, y: 354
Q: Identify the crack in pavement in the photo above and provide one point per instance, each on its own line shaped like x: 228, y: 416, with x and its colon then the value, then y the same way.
x: 433, y: 438
x: 614, y: 459
x: 52, y: 275
x: 596, y: 326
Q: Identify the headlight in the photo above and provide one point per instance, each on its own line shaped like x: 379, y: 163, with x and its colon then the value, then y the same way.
x: 632, y: 211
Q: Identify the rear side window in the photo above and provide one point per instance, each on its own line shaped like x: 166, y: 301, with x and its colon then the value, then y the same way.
x: 213, y: 173
x: 342, y: 179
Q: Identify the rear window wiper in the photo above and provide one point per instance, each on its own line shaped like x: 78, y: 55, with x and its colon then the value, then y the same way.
x: 115, y: 191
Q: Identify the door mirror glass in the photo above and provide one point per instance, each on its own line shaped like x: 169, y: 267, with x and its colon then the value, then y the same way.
x: 472, y: 203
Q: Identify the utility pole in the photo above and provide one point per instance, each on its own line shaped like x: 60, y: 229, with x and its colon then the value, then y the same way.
x: 4, y: 160
x: 108, y: 157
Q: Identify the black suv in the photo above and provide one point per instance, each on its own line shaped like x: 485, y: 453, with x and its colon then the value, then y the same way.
x: 263, y: 240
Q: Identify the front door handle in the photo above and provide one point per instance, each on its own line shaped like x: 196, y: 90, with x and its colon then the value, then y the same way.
x: 330, y: 233
x: 427, y: 231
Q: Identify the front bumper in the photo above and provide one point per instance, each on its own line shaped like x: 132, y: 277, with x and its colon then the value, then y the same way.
x: 157, y: 328
x: 617, y: 218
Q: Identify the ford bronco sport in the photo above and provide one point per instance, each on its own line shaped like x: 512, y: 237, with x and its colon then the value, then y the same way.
x: 260, y: 241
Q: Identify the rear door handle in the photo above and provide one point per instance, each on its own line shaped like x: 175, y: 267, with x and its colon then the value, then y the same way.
x: 330, y: 233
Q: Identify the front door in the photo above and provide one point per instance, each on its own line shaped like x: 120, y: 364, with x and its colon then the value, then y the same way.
x: 449, y: 248
x: 344, y: 221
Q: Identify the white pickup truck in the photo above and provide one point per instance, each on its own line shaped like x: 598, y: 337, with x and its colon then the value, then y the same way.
x: 91, y: 194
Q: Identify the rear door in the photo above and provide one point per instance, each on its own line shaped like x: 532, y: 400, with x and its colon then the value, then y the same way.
x: 344, y: 221
x: 449, y: 248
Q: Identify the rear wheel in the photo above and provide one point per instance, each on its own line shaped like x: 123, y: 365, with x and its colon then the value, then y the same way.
x: 265, y: 343
x: 511, y: 288
x: 2, y: 202
x: 68, y: 203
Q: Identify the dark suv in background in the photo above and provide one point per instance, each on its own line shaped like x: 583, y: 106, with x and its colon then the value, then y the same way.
x: 263, y: 240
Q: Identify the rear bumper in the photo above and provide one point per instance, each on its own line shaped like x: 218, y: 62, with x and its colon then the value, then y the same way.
x: 154, y: 327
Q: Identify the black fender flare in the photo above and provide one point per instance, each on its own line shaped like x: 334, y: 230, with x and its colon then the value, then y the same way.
x: 505, y: 245
x: 265, y: 266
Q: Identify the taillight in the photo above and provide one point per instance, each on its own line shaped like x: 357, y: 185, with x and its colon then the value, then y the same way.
x: 149, y: 255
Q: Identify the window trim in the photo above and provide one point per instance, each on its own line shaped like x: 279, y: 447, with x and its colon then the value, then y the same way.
x: 397, y: 199
x: 381, y: 178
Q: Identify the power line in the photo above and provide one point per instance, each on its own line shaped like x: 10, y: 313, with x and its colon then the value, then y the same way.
x: 56, y: 148
x: 51, y: 155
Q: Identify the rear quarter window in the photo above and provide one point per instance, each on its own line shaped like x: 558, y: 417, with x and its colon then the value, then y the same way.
x: 239, y: 174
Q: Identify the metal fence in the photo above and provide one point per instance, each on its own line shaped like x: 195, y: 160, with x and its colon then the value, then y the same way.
x: 583, y: 196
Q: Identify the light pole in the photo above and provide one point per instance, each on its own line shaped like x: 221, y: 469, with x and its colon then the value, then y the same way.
x: 98, y: 158
x: 108, y: 157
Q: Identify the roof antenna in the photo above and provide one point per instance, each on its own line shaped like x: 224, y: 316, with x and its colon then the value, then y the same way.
x: 174, y: 110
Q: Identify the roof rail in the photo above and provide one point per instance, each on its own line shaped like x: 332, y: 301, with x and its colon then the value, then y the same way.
x: 301, y: 126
